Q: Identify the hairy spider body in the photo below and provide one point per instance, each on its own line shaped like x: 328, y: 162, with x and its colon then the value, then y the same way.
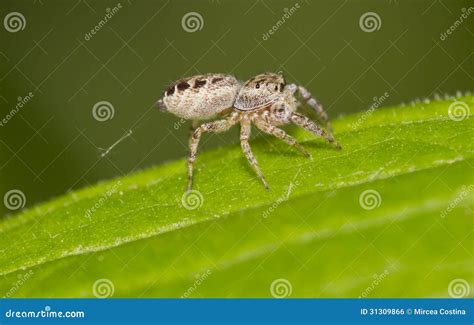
x: 264, y: 100
x: 200, y: 97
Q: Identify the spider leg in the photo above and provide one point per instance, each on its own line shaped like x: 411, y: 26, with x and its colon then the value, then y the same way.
x: 194, y: 125
x: 280, y: 134
x: 315, y: 105
x: 244, y: 142
x: 312, y: 127
x: 214, y: 126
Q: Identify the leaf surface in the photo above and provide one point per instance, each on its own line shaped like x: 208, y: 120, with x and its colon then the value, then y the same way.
x: 391, y: 215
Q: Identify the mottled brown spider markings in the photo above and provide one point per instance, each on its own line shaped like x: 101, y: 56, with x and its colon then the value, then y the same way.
x: 264, y: 100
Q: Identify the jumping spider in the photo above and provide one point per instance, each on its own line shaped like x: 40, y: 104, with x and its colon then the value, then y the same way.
x: 264, y: 100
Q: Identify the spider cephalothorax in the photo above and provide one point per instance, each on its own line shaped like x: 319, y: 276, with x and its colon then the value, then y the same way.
x: 264, y: 100
x: 260, y: 91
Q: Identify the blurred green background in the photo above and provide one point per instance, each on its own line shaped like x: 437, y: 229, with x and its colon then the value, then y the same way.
x: 53, y: 144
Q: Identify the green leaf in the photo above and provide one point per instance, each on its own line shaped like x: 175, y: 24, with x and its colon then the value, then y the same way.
x: 390, y: 215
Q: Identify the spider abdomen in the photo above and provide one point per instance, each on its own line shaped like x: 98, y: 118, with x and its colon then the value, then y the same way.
x: 201, y: 96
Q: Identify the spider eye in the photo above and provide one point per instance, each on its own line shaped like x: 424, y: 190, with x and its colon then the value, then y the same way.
x: 257, y: 85
x: 281, y: 110
x: 276, y: 88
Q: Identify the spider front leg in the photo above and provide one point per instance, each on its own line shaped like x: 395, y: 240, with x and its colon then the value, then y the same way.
x: 214, y: 126
x: 244, y: 142
x: 314, y: 104
x: 312, y: 127
x: 280, y: 134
